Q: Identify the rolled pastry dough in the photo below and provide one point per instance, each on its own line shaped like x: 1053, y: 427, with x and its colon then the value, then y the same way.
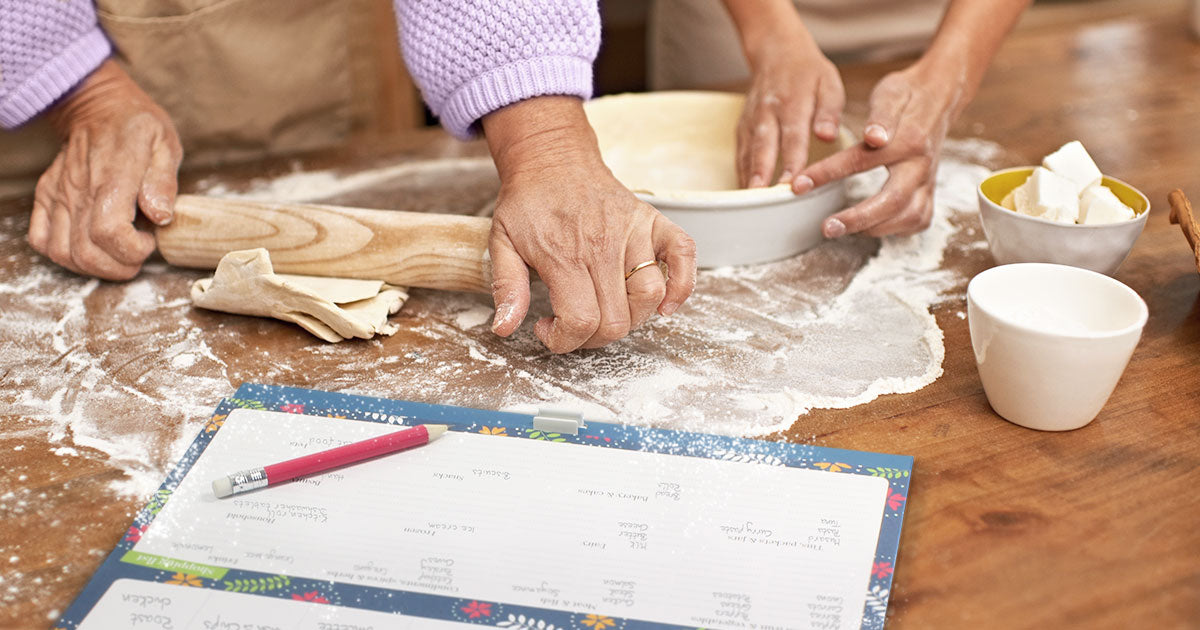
x: 330, y: 308
x: 682, y: 145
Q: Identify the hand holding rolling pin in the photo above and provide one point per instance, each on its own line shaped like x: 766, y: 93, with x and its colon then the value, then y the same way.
x: 120, y: 156
x: 520, y: 78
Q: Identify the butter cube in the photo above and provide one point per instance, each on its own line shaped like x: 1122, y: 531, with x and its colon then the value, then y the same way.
x: 1048, y: 196
x: 1009, y: 200
x: 1073, y: 162
x: 1098, y: 204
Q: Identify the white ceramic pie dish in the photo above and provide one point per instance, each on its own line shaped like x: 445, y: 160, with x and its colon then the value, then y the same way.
x: 676, y: 151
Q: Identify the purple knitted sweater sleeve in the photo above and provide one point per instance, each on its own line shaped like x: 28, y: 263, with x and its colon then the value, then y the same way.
x: 46, y: 47
x: 472, y: 57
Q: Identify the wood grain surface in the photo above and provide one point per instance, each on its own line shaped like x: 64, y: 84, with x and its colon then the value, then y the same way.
x: 409, y: 249
x: 1005, y: 527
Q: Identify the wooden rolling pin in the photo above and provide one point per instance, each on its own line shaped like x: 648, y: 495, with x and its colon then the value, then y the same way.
x: 411, y: 249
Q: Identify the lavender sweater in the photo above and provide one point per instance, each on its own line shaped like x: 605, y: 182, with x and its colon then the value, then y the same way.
x: 469, y: 57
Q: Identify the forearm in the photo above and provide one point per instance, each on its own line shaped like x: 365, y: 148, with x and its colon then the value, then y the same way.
x: 104, y: 90
x: 473, y: 57
x: 538, y: 133
x: 759, y: 22
x: 966, y: 41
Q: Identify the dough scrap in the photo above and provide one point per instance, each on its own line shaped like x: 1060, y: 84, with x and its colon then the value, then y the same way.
x: 333, y: 309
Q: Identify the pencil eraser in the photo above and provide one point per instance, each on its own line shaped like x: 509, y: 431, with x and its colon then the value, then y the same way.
x: 222, y: 487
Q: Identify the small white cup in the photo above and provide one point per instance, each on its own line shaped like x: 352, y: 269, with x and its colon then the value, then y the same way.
x: 1051, y: 341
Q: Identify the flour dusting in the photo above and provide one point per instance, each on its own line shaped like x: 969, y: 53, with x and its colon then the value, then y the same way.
x: 453, y: 186
x: 114, y: 402
x: 758, y: 346
x: 753, y: 349
x: 473, y: 316
x: 302, y: 185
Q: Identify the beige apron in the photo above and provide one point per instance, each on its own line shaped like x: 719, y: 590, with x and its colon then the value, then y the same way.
x: 243, y: 79
x: 694, y: 44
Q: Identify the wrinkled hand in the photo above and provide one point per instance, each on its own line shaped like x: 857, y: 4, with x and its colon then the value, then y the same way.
x: 120, y: 154
x: 795, y: 92
x: 563, y: 214
x: 910, y: 113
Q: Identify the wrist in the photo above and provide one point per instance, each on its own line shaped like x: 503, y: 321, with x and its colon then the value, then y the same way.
x: 543, y: 132
x: 764, y: 26
x: 762, y: 43
x: 107, y: 87
x: 946, y: 78
x: 957, y: 59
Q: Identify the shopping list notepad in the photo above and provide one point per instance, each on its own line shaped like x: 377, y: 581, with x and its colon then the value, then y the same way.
x: 503, y: 525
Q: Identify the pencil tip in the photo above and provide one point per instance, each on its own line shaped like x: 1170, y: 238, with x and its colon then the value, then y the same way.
x: 436, y: 430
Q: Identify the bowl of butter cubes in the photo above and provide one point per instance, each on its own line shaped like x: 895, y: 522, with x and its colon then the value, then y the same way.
x: 1064, y: 211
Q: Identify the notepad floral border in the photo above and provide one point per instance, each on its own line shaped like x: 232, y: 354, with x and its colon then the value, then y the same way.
x: 484, y: 613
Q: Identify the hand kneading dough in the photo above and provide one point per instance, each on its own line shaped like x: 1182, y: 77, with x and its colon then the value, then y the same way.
x: 330, y: 308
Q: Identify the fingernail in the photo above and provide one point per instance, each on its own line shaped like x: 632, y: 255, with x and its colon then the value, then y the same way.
x: 756, y: 181
x: 504, y: 312
x: 834, y: 228
x: 802, y: 184
x: 162, y: 219
x: 785, y: 177
x: 826, y: 129
x: 667, y: 309
x: 877, y: 132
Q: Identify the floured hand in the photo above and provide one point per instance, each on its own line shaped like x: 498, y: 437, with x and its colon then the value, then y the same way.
x: 795, y: 93
x: 910, y: 114
x: 563, y: 214
x: 120, y: 155
x: 909, y: 117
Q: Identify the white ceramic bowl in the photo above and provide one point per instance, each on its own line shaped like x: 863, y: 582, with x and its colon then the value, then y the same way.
x: 1051, y: 341
x: 677, y: 150
x: 1017, y: 238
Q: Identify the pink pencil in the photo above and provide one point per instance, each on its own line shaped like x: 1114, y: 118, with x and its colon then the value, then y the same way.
x: 255, y: 478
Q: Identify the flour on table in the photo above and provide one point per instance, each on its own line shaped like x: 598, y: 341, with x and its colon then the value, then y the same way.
x: 754, y: 348
x: 310, y: 185
x: 97, y: 404
x: 449, y: 185
x: 473, y: 316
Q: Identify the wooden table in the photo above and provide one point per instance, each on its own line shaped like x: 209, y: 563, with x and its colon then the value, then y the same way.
x: 1006, y: 527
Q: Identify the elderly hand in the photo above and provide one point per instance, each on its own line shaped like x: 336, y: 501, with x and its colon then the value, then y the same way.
x: 563, y: 214
x: 120, y: 155
x: 795, y: 92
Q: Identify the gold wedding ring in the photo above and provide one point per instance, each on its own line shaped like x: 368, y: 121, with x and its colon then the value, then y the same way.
x: 638, y: 267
